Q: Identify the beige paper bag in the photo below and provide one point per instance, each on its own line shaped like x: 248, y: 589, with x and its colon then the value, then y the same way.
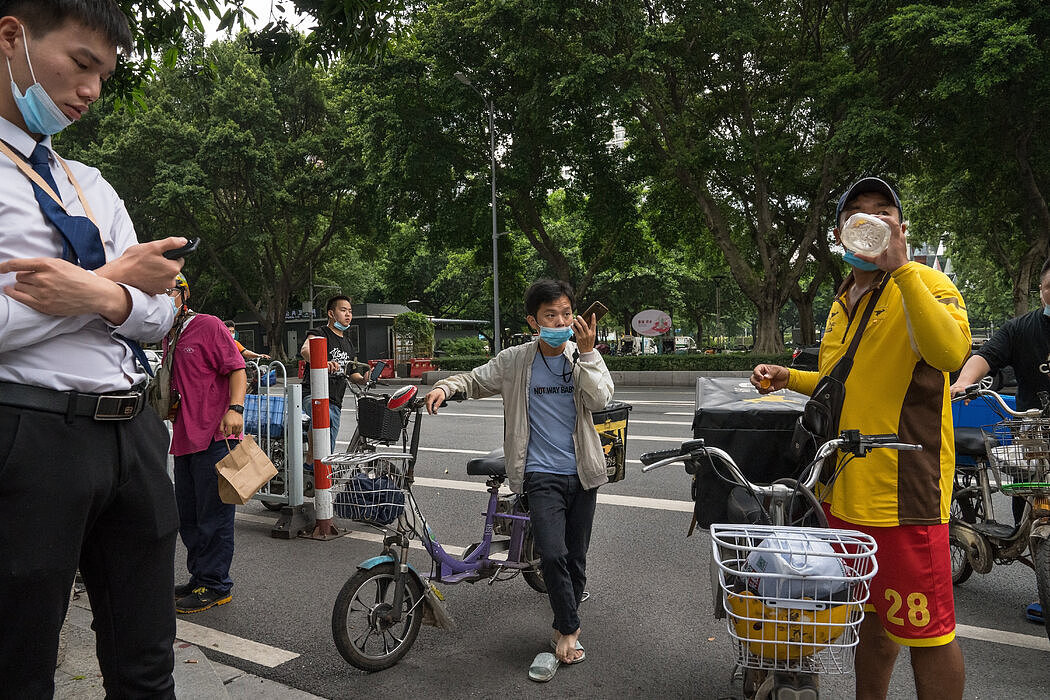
x: 243, y: 472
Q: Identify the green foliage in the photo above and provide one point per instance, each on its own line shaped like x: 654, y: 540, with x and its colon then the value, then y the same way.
x: 743, y: 121
x: 982, y: 171
x: 458, y: 347
x: 720, y: 362
x: 255, y: 160
x: 162, y: 31
x: 417, y: 328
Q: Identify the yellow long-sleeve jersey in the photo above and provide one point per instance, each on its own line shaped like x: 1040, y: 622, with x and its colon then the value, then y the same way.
x: 917, y: 334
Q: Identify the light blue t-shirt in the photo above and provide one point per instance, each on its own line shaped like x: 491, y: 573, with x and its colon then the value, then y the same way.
x: 552, y: 417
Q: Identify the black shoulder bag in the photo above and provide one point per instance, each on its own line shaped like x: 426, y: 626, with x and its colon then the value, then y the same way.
x: 819, y: 421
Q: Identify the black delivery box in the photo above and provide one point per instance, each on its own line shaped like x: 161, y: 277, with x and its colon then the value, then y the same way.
x: 754, y: 429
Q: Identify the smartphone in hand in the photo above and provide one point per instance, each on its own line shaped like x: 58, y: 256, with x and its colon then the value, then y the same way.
x: 597, y: 309
x: 176, y: 253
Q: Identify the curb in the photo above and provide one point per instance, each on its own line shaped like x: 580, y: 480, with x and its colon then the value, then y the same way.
x: 196, y: 677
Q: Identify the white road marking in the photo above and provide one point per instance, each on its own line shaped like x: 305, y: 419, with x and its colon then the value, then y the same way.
x: 256, y: 652
x: 660, y: 422
x: 1028, y: 641
x: 271, y: 656
x: 458, y: 452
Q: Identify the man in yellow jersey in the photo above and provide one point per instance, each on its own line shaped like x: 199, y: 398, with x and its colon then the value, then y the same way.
x: 917, y: 333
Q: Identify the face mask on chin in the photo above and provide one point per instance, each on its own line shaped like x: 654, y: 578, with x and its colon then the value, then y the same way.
x: 41, y: 114
x: 340, y: 326
x: 856, y: 262
x: 555, y: 337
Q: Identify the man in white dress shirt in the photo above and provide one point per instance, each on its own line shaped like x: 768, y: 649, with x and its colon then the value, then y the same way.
x: 82, y: 466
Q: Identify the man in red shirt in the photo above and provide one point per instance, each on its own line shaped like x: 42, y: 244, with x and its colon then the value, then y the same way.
x: 208, y: 374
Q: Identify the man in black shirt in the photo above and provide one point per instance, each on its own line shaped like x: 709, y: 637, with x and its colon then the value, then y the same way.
x: 342, y: 354
x: 1023, y: 343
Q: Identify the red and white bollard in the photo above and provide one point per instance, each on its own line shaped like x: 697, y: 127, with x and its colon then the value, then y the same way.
x: 323, y: 527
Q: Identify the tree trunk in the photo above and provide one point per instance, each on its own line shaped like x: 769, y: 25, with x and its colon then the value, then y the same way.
x: 807, y: 327
x: 768, y: 338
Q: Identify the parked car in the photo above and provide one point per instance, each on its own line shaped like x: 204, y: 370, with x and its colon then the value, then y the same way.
x: 154, y: 357
x: 806, y: 358
x: 684, y: 344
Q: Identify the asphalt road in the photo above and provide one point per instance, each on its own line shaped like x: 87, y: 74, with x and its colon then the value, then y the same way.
x: 647, y: 628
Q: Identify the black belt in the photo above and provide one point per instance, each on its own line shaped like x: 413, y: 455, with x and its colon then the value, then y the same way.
x: 116, y: 406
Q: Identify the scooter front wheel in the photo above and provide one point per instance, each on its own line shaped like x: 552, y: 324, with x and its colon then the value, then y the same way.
x: 363, y: 620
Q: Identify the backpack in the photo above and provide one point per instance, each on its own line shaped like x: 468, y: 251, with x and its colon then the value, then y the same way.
x: 160, y: 394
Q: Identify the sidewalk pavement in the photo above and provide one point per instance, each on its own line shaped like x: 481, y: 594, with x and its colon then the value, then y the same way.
x: 196, y: 677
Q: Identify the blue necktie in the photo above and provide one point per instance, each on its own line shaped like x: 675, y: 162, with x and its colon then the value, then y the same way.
x: 79, y: 234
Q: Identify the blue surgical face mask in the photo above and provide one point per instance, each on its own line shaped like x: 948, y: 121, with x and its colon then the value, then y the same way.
x: 340, y: 326
x: 555, y: 337
x: 1046, y: 310
x: 856, y: 262
x: 41, y: 114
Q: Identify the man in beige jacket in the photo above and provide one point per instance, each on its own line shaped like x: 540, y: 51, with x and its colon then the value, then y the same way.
x: 550, y: 387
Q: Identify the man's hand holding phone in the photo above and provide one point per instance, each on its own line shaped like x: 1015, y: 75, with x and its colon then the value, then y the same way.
x: 585, y: 326
x: 148, y: 266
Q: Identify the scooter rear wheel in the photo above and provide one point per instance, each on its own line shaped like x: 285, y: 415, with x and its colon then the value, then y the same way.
x: 534, y: 576
x: 961, y: 567
x: 1041, y: 558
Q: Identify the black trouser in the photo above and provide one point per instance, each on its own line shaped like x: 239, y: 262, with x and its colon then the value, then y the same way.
x: 562, y: 513
x: 206, y: 524
x: 80, y: 492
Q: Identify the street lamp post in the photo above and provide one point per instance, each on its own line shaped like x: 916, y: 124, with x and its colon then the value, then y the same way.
x: 487, y: 99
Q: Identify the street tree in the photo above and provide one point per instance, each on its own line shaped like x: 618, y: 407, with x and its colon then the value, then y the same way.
x: 983, y: 167
x: 428, y: 133
x: 254, y: 160
x: 761, y: 112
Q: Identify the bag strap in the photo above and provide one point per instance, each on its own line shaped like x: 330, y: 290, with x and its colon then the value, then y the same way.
x: 846, y: 361
x: 169, y: 356
x: 39, y: 181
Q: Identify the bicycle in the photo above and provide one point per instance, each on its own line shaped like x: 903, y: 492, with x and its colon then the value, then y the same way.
x: 1011, y: 457
x: 380, y: 608
x: 791, y: 589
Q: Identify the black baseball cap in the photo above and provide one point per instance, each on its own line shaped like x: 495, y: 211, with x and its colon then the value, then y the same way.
x: 868, y: 184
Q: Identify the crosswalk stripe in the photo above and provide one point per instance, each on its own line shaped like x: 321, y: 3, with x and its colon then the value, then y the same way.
x: 208, y: 638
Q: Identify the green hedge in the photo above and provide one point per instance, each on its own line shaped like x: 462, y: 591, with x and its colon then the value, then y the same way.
x: 688, y: 363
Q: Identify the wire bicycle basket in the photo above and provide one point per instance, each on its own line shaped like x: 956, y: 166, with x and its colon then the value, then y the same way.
x: 369, y: 487
x: 1019, y: 451
x: 793, y: 597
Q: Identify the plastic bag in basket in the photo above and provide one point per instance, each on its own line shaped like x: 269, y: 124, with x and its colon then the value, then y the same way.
x: 784, y: 634
x: 796, y: 569
x: 373, y: 499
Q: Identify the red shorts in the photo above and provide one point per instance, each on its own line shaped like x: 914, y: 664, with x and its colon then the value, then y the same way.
x: 912, y: 591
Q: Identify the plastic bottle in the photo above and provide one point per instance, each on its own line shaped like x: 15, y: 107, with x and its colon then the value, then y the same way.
x: 865, y: 234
